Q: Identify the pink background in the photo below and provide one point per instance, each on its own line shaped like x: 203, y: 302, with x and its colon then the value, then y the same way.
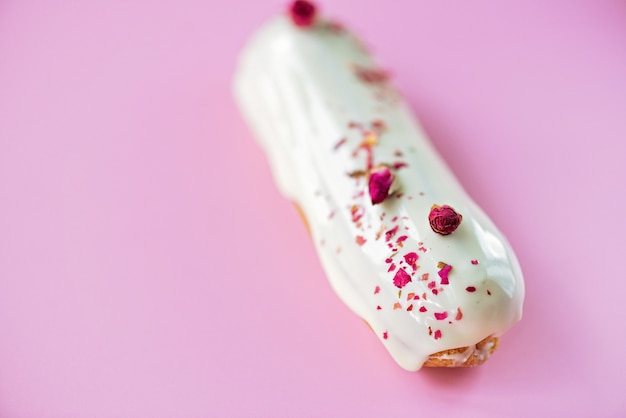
x: 149, y: 267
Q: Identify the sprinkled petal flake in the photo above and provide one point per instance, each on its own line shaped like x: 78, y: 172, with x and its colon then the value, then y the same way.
x: 401, y: 279
x: 459, y: 314
x: 443, y: 273
x: 357, y: 213
x: 440, y: 316
x: 391, y: 233
x: 371, y: 75
x: 401, y: 239
x: 340, y: 143
x: 411, y: 259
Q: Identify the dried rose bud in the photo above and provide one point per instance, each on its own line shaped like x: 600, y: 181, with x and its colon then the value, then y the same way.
x: 381, y: 182
x: 444, y: 220
x: 302, y: 13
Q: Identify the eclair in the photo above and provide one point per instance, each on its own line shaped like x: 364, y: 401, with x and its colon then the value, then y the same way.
x: 401, y: 242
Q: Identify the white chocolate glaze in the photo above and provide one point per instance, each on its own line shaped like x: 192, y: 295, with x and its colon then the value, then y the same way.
x: 300, y: 93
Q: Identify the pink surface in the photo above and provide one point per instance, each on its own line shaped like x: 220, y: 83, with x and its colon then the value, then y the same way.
x: 149, y: 267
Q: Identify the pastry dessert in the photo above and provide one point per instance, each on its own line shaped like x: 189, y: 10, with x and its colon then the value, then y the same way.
x: 402, y: 243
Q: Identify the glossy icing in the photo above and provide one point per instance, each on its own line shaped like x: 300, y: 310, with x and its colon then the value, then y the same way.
x: 313, y: 97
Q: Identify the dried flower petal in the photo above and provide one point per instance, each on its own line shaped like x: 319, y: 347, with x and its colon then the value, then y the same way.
x: 437, y: 334
x: 340, y: 143
x: 440, y: 316
x: 444, y: 219
x: 378, y: 124
x: 459, y: 314
x: 357, y: 212
x: 401, y: 279
x: 391, y: 233
x: 443, y: 273
x: 401, y: 239
x: 371, y: 75
x: 380, y: 181
x: 302, y: 13
x: 411, y: 259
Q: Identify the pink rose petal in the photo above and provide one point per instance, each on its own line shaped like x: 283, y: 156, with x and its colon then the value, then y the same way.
x: 401, y: 279
x: 357, y: 212
x: 340, y: 143
x: 411, y: 259
x: 440, y: 316
x: 443, y: 273
x: 371, y: 75
x: 459, y: 314
x: 391, y: 233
